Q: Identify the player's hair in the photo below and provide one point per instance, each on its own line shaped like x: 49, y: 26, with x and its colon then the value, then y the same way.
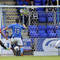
x: 17, y: 20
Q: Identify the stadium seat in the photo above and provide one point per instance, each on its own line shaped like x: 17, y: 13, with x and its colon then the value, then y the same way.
x: 37, y: 1
x: 50, y: 27
x: 50, y: 14
x: 41, y: 27
x: 37, y: 4
x: 53, y: 0
x: 42, y: 14
x: 33, y: 31
x: 50, y: 31
x: 39, y: 9
x: 41, y: 31
x: 52, y: 35
x: 43, y: 2
x: 50, y: 19
x: 58, y: 33
x: 42, y: 34
x: 42, y: 19
x: 26, y: 3
x: 20, y: 3
x: 33, y: 34
x: 32, y: 27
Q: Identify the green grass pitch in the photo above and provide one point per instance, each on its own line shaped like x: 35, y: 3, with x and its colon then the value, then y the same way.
x: 30, y: 58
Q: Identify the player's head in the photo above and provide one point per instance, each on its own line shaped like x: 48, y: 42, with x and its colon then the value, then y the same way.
x: 17, y: 20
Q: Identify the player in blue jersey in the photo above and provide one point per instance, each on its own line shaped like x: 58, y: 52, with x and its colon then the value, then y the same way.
x: 16, y: 33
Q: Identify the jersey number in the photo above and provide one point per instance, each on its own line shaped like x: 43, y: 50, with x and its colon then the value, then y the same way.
x: 17, y: 31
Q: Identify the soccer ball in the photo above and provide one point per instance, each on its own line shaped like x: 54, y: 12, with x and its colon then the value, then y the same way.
x: 16, y: 48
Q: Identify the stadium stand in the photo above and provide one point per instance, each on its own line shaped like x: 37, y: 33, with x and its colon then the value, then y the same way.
x: 39, y: 9
x: 28, y: 2
x: 50, y: 16
x: 39, y: 2
x: 45, y: 27
x: 22, y: 2
x: 33, y: 31
x: 7, y: 2
x: 11, y: 15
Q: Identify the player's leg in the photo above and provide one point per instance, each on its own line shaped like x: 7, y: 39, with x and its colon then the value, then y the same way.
x: 13, y: 45
x: 20, y: 43
x: 3, y: 45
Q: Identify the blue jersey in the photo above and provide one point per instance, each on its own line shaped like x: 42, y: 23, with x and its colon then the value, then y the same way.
x: 16, y: 30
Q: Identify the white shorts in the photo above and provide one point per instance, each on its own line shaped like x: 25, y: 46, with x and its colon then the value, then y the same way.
x: 19, y: 41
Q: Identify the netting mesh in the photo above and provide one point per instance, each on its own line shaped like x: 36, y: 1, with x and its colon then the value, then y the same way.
x: 30, y: 2
x: 42, y: 23
x: 31, y: 16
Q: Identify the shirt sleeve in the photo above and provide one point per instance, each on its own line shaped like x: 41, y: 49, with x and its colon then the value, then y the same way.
x: 22, y: 27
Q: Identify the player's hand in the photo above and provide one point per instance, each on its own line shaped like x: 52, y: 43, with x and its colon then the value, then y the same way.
x: 24, y: 26
x: 5, y: 28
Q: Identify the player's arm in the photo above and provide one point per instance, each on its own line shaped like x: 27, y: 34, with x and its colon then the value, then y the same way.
x: 2, y: 45
x: 5, y: 28
x: 8, y: 27
x: 24, y: 26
